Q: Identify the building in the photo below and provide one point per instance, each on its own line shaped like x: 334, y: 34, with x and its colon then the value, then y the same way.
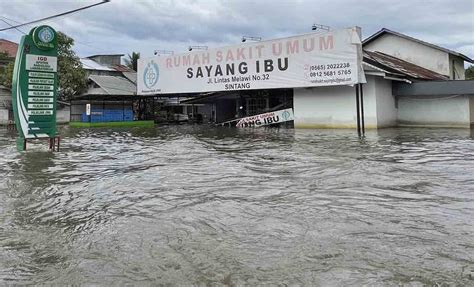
x: 409, y: 83
x: 8, y: 47
x: 429, y: 56
x: 111, y: 90
x: 6, y: 111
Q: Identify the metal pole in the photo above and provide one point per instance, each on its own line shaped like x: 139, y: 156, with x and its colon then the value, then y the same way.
x: 362, y: 107
x: 357, y: 108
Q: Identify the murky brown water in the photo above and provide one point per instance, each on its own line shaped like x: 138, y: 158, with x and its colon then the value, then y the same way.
x: 203, y: 205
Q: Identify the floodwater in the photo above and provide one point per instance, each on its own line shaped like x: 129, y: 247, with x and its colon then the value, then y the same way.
x: 219, y: 206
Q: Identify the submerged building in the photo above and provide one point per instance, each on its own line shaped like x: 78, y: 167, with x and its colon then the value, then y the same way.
x: 409, y: 82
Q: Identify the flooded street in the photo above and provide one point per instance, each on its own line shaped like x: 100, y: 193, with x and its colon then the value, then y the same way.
x: 199, y: 205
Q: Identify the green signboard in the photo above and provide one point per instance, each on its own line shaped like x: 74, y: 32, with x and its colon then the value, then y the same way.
x: 35, y: 82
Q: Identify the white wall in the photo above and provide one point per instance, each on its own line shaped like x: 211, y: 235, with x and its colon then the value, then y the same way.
x: 449, y: 111
x: 386, y: 108
x: 63, y: 115
x: 471, y: 109
x: 413, y: 52
x: 3, y: 116
x: 332, y: 107
x: 459, y: 71
x: 335, y: 107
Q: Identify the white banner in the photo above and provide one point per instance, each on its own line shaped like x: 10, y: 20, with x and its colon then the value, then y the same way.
x: 267, y: 119
x: 317, y: 59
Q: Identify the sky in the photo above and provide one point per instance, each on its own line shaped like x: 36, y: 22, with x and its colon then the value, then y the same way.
x: 126, y: 26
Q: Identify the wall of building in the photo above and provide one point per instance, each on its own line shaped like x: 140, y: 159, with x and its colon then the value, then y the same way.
x: 413, y: 52
x: 108, y: 60
x: 78, y: 107
x: 335, y: 107
x: 5, y: 104
x: 8, y: 47
x: 386, y: 107
x: 471, y: 110
x: 430, y: 111
x: 63, y: 115
x: 3, y: 116
x: 456, y: 68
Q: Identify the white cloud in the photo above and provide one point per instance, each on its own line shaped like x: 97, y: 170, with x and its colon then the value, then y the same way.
x: 123, y: 26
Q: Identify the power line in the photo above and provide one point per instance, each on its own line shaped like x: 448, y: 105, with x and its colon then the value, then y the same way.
x: 75, y: 41
x: 11, y: 25
x: 57, y: 15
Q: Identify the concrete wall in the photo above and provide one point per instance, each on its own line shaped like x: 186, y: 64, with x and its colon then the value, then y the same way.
x: 456, y: 68
x: 335, y: 107
x: 63, y: 115
x: 429, y: 111
x: 471, y: 110
x: 108, y: 60
x: 3, y: 116
x: 413, y: 52
x: 387, y: 112
x: 332, y: 107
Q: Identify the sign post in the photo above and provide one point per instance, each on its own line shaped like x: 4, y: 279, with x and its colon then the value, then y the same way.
x: 34, y: 87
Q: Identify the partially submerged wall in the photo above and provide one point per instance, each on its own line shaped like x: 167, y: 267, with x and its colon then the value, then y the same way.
x: 335, y: 107
x: 434, y: 111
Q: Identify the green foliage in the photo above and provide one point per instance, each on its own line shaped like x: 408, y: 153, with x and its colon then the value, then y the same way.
x: 6, y: 69
x: 132, y: 61
x: 470, y: 73
x: 6, y: 75
x: 72, y: 77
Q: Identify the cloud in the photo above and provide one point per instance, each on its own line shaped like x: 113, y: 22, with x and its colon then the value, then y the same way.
x: 123, y: 26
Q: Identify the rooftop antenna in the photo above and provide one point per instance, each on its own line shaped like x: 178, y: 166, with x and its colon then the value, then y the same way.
x: 190, y: 48
x: 320, y: 27
x: 250, y: 38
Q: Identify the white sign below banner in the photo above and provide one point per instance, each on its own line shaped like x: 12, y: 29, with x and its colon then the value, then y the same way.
x: 41, y: 63
x: 267, y: 119
x: 316, y: 59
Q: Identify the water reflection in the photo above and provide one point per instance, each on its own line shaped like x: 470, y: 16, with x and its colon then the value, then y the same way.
x: 226, y: 206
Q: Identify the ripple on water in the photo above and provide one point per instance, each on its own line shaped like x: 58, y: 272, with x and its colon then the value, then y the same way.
x: 205, y: 205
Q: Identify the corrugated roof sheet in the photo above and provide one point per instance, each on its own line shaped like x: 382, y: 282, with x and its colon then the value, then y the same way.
x: 388, y: 31
x: 89, y: 64
x: 99, y: 55
x: 122, y: 68
x: 112, y: 85
x: 399, y: 66
x: 131, y: 76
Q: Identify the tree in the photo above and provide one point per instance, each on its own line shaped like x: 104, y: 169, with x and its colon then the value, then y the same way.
x: 6, y: 75
x: 6, y: 69
x: 72, y: 77
x: 132, y: 61
x: 470, y: 73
